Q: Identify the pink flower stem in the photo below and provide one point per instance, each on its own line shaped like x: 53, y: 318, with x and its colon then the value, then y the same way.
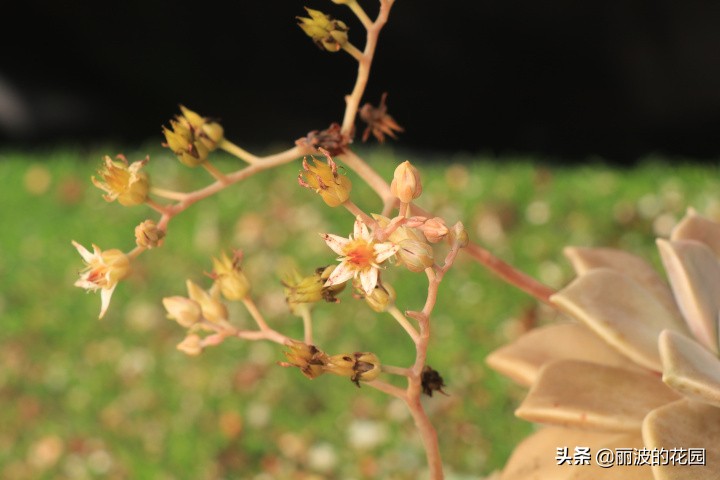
x: 357, y: 211
x: 352, y: 101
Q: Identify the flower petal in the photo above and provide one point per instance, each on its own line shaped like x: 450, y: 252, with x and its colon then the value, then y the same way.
x: 689, y: 368
x: 694, y: 274
x: 335, y: 242
x: 698, y: 228
x: 522, y: 359
x: 685, y: 424
x: 84, y: 252
x: 384, y: 250
x: 360, y: 230
x: 368, y: 280
x: 535, y: 457
x: 619, y: 310
x: 588, y: 395
x: 586, y: 259
x: 341, y: 274
x: 105, y: 296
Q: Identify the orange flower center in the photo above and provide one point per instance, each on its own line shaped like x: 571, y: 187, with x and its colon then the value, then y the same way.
x: 360, y: 254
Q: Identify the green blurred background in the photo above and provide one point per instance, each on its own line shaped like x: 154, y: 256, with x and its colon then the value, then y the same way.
x: 113, y: 398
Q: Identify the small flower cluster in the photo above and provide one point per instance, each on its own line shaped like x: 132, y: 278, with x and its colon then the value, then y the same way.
x: 192, y: 137
x: 204, y: 310
x: 327, y: 33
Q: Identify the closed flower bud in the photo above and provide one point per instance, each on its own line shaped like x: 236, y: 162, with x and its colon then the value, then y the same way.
x: 212, y: 308
x: 191, y: 345
x: 406, y: 183
x: 415, y: 255
x: 125, y: 183
x: 308, y: 358
x: 382, y: 297
x: 304, y: 291
x: 227, y: 273
x: 359, y: 366
x: 460, y: 235
x: 301, y: 291
x: 325, y: 180
x: 434, y: 229
x: 327, y: 33
x: 148, y: 235
x: 184, y: 311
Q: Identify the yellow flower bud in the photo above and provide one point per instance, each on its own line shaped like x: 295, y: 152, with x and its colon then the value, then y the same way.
x: 406, y: 183
x: 382, y: 297
x: 325, y: 180
x: 227, y: 273
x: 126, y: 184
x: 303, y: 291
x: 148, y: 235
x: 184, y: 311
x: 192, y: 137
x: 191, y: 345
x: 341, y: 365
x: 212, y: 308
x: 359, y: 366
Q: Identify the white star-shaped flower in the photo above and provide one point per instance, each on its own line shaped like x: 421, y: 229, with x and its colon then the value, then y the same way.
x: 360, y: 256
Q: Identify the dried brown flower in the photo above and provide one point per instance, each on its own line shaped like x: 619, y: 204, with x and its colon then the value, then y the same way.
x: 378, y: 121
x: 431, y: 381
x: 331, y: 139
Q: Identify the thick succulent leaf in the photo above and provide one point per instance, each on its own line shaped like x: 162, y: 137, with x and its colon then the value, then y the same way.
x: 694, y: 274
x: 620, y: 311
x: 698, y: 228
x: 585, y: 395
x: 586, y: 259
x: 685, y: 424
x: 690, y: 368
x: 522, y: 359
x: 535, y: 458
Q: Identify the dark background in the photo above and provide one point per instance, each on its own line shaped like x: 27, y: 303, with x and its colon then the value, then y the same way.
x: 618, y: 79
